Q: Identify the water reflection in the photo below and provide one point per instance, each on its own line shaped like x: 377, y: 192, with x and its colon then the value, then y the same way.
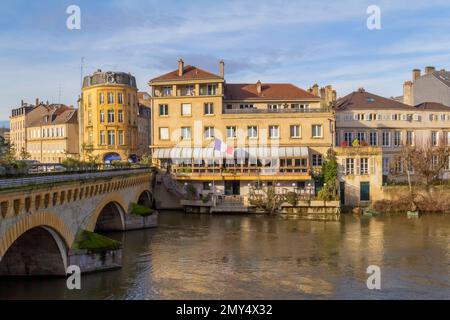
x: 243, y: 257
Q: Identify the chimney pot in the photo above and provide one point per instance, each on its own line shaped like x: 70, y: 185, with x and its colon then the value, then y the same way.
x: 180, y: 67
x: 259, y: 87
x: 430, y: 70
x: 315, y: 89
x: 416, y: 74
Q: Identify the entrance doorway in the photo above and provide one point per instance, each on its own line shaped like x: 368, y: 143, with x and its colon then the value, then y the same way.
x: 232, y: 188
x: 364, y: 191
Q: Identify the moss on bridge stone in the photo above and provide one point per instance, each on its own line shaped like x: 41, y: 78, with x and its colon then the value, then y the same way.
x: 141, y: 211
x: 94, y: 242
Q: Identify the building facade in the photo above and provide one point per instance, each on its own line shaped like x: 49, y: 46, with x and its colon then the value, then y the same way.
x: 109, y: 117
x: 225, y: 138
x: 18, y: 122
x: 432, y: 86
x: 52, y: 135
x: 144, y: 124
x: 365, y: 119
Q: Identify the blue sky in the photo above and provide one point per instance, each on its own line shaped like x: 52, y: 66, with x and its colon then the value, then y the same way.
x: 302, y: 42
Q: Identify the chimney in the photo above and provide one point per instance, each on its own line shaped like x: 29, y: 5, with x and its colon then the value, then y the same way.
x: 21, y: 103
x: 37, y: 102
x: 315, y: 89
x: 415, y: 74
x: 429, y: 70
x: 222, y: 69
x: 180, y: 67
x: 407, y: 93
x: 259, y: 87
x: 334, y: 95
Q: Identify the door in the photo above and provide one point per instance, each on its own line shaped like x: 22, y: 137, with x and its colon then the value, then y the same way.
x: 232, y: 188
x: 364, y: 191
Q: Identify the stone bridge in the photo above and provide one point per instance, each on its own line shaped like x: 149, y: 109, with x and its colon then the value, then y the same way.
x: 39, y: 222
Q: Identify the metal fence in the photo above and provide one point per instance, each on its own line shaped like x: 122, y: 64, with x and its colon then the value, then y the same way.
x: 46, y: 179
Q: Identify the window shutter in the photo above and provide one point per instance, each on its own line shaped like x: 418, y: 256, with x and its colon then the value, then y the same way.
x: 372, y: 165
x: 357, y: 166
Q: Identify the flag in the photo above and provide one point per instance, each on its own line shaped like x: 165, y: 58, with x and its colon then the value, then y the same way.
x: 223, y: 147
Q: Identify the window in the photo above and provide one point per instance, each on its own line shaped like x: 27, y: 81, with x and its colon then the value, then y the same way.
x: 231, y: 132
x: 317, y: 160
x: 90, y: 137
x: 189, y: 90
x: 296, y: 132
x: 385, y: 166
x: 252, y: 132
x: 186, y: 109
x: 207, y: 186
x: 373, y: 138
x: 364, y: 168
x: 102, y: 98
x: 185, y: 133
x: 209, y: 132
x: 111, y: 137
x: 386, y: 139
x: 164, y: 133
x: 348, y: 137
x: 409, y: 138
x: 317, y: 131
x: 209, y: 109
x: 110, y: 116
x: 89, y: 117
x: 89, y: 101
x: 167, y: 91
x: 274, y: 132
x: 350, y: 166
x: 361, y: 137
x: 110, y: 98
x: 120, y: 116
x: 274, y: 106
x: 120, y: 98
x: 121, y: 138
x: 211, y: 89
x: 102, y: 116
x: 102, y: 137
x: 163, y: 109
x: 434, y: 139
x: 397, y: 138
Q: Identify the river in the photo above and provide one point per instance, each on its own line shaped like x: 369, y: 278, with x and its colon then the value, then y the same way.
x: 261, y: 257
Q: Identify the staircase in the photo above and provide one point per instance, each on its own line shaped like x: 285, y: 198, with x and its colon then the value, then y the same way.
x: 172, y: 186
x: 230, y: 204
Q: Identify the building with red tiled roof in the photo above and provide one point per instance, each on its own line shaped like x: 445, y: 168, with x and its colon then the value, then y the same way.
x: 197, y: 116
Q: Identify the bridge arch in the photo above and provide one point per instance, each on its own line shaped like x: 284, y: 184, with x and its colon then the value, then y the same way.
x: 36, y: 245
x: 145, y: 198
x: 109, y: 215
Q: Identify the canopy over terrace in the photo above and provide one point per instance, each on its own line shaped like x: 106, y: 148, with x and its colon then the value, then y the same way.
x: 240, y: 155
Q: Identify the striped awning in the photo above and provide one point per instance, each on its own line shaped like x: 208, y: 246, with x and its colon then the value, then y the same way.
x: 252, y: 153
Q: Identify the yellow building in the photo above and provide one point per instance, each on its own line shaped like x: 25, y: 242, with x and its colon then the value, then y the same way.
x: 18, y: 122
x: 232, y: 136
x: 52, y: 135
x: 109, y: 117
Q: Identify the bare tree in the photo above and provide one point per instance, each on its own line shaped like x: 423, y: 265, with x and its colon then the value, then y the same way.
x: 423, y: 166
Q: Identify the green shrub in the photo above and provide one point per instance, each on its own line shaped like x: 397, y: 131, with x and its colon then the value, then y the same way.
x: 141, y: 211
x: 94, y: 242
x: 291, y: 198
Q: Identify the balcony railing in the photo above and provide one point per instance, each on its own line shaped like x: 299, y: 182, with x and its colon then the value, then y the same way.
x: 291, y: 110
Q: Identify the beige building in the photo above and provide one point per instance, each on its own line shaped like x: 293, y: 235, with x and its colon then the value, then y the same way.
x: 18, y: 122
x: 360, y: 175
x: 380, y: 122
x: 109, y: 117
x: 228, y: 137
x: 52, y: 135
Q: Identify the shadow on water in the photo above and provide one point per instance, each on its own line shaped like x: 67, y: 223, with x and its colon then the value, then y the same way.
x: 243, y: 257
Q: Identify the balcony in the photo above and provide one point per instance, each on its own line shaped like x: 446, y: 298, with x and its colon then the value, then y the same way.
x: 267, y: 111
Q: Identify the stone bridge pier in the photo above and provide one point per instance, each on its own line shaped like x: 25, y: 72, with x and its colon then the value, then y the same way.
x: 40, y: 224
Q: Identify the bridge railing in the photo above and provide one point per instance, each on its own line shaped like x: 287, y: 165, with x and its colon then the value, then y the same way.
x: 56, y: 178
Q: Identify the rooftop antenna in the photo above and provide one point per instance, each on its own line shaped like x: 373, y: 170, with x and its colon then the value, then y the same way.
x: 81, y: 74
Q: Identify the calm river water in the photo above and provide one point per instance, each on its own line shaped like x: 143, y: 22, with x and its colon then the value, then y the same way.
x: 260, y: 257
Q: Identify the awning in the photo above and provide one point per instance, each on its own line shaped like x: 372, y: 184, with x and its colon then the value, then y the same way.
x: 240, y: 154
